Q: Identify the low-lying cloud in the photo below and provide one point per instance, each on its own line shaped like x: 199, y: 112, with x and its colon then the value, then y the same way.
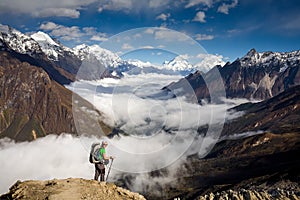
x: 46, y: 158
x: 157, y: 123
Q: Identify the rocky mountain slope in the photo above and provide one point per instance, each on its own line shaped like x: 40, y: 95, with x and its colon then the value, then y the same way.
x: 255, y: 76
x: 71, y: 188
x: 32, y: 104
x: 277, y: 115
x: 257, y: 151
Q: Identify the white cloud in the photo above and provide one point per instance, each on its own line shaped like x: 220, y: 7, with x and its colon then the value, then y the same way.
x: 116, y: 5
x: 58, y: 12
x: 41, y: 8
x: 185, y: 56
x: 72, y: 33
x: 90, y: 30
x: 67, y: 33
x: 149, y: 31
x: 192, y: 3
x: 163, y: 16
x: 49, y: 26
x: 138, y: 35
x: 132, y: 5
x: 147, y: 47
x: 200, y: 17
x: 98, y: 38
x: 47, y: 158
x: 200, y: 37
x: 224, y: 8
x: 159, y: 3
x: 169, y: 35
x: 127, y: 46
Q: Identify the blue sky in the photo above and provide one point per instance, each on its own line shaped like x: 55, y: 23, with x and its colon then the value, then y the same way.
x: 225, y: 27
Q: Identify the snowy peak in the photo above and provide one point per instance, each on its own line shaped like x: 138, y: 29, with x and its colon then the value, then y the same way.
x: 15, y: 40
x: 5, y: 28
x: 37, y: 43
x: 108, y: 58
x: 209, y: 61
x: 203, y: 62
x: 253, y: 58
x: 141, y: 64
x: 49, y: 47
x: 252, y: 53
x: 178, y: 64
x: 42, y: 37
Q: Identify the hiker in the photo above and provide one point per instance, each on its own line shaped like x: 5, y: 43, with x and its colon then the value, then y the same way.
x: 100, y: 166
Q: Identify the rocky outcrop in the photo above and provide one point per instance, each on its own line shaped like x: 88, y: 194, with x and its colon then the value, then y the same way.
x: 32, y: 104
x: 251, y: 195
x: 71, y: 188
x: 256, y: 75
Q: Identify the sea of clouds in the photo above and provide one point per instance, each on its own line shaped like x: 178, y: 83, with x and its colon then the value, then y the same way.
x: 162, y: 131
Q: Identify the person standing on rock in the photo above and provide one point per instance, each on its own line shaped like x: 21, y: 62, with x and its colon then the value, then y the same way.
x: 100, y: 166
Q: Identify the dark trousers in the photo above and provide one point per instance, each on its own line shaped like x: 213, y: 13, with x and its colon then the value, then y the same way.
x: 99, y: 171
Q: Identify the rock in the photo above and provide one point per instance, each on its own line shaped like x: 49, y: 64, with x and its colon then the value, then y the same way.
x: 71, y: 188
x: 243, y: 194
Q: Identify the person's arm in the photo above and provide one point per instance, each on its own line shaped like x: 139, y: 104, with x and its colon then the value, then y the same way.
x: 107, y: 157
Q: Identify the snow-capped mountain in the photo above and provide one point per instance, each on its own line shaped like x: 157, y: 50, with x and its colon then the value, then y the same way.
x: 12, y: 39
x: 59, y: 61
x: 141, y: 64
x: 40, y: 45
x: 265, y: 59
x: 178, y: 64
x: 206, y: 62
x: 108, y: 58
x: 51, y: 48
x: 256, y: 75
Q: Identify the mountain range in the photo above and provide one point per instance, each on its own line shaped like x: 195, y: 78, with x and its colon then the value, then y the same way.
x: 258, y: 149
x: 62, y: 63
x: 254, y: 76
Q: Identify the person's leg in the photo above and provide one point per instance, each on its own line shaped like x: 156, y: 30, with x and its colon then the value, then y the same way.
x: 102, y: 172
x: 97, y: 172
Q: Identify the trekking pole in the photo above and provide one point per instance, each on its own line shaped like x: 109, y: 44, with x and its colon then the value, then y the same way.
x: 112, y: 160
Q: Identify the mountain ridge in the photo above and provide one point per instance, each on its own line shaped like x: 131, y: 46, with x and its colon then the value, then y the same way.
x: 245, y: 77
